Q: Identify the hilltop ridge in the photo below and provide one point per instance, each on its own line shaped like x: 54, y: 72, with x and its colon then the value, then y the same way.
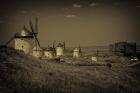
x: 22, y: 73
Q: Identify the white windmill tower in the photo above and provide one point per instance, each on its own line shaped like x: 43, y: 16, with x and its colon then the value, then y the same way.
x: 27, y: 39
x: 37, y: 50
x: 77, y: 52
x: 24, y: 41
x: 59, y: 50
x: 49, y: 52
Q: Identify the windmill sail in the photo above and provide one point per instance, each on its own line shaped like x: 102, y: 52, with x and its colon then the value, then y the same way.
x: 64, y: 44
x: 9, y: 41
x: 36, y: 25
x: 54, y: 44
x: 34, y: 33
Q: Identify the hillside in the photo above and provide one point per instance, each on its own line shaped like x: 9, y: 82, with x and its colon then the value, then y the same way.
x: 20, y: 73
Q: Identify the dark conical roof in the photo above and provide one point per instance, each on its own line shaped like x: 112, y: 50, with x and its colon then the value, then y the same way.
x: 37, y: 48
x: 60, y: 45
x: 48, y: 48
x: 24, y: 33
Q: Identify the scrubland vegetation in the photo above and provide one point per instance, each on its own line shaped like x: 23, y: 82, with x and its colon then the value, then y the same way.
x: 20, y: 73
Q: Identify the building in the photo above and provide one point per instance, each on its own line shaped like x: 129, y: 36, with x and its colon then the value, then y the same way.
x: 49, y: 52
x: 24, y: 41
x: 37, y: 52
x: 94, y: 59
x: 59, y: 50
x: 77, y: 53
x: 124, y: 48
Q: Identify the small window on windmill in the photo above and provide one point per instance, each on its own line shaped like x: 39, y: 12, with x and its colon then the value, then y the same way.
x: 22, y: 46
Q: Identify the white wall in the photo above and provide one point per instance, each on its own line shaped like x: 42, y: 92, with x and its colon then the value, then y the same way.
x: 24, y: 44
x: 59, y: 51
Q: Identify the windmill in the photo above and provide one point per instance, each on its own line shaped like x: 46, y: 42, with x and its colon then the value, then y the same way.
x: 64, y: 45
x: 12, y: 38
x: 37, y: 51
x: 35, y: 32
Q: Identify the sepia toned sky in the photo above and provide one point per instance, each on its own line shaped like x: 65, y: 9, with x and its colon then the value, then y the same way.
x: 84, y: 22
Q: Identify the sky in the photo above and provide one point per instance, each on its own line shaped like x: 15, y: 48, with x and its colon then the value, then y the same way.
x: 78, y: 22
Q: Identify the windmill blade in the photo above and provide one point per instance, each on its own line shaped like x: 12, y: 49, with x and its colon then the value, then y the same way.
x: 64, y: 44
x: 24, y: 27
x: 9, y: 41
x: 31, y: 26
x: 79, y: 47
x: 34, y: 34
x: 53, y: 44
x: 37, y: 41
x: 36, y: 30
x: 36, y: 25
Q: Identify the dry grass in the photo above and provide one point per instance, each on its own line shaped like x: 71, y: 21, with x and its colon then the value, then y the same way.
x: 20, y: 73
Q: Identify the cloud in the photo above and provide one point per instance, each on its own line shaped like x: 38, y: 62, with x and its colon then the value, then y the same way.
x: 76, y: 5
x: 70, y: 16
x: 92, y: 4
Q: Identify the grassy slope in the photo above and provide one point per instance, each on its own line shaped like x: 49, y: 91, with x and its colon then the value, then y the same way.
x: 24, y: 74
